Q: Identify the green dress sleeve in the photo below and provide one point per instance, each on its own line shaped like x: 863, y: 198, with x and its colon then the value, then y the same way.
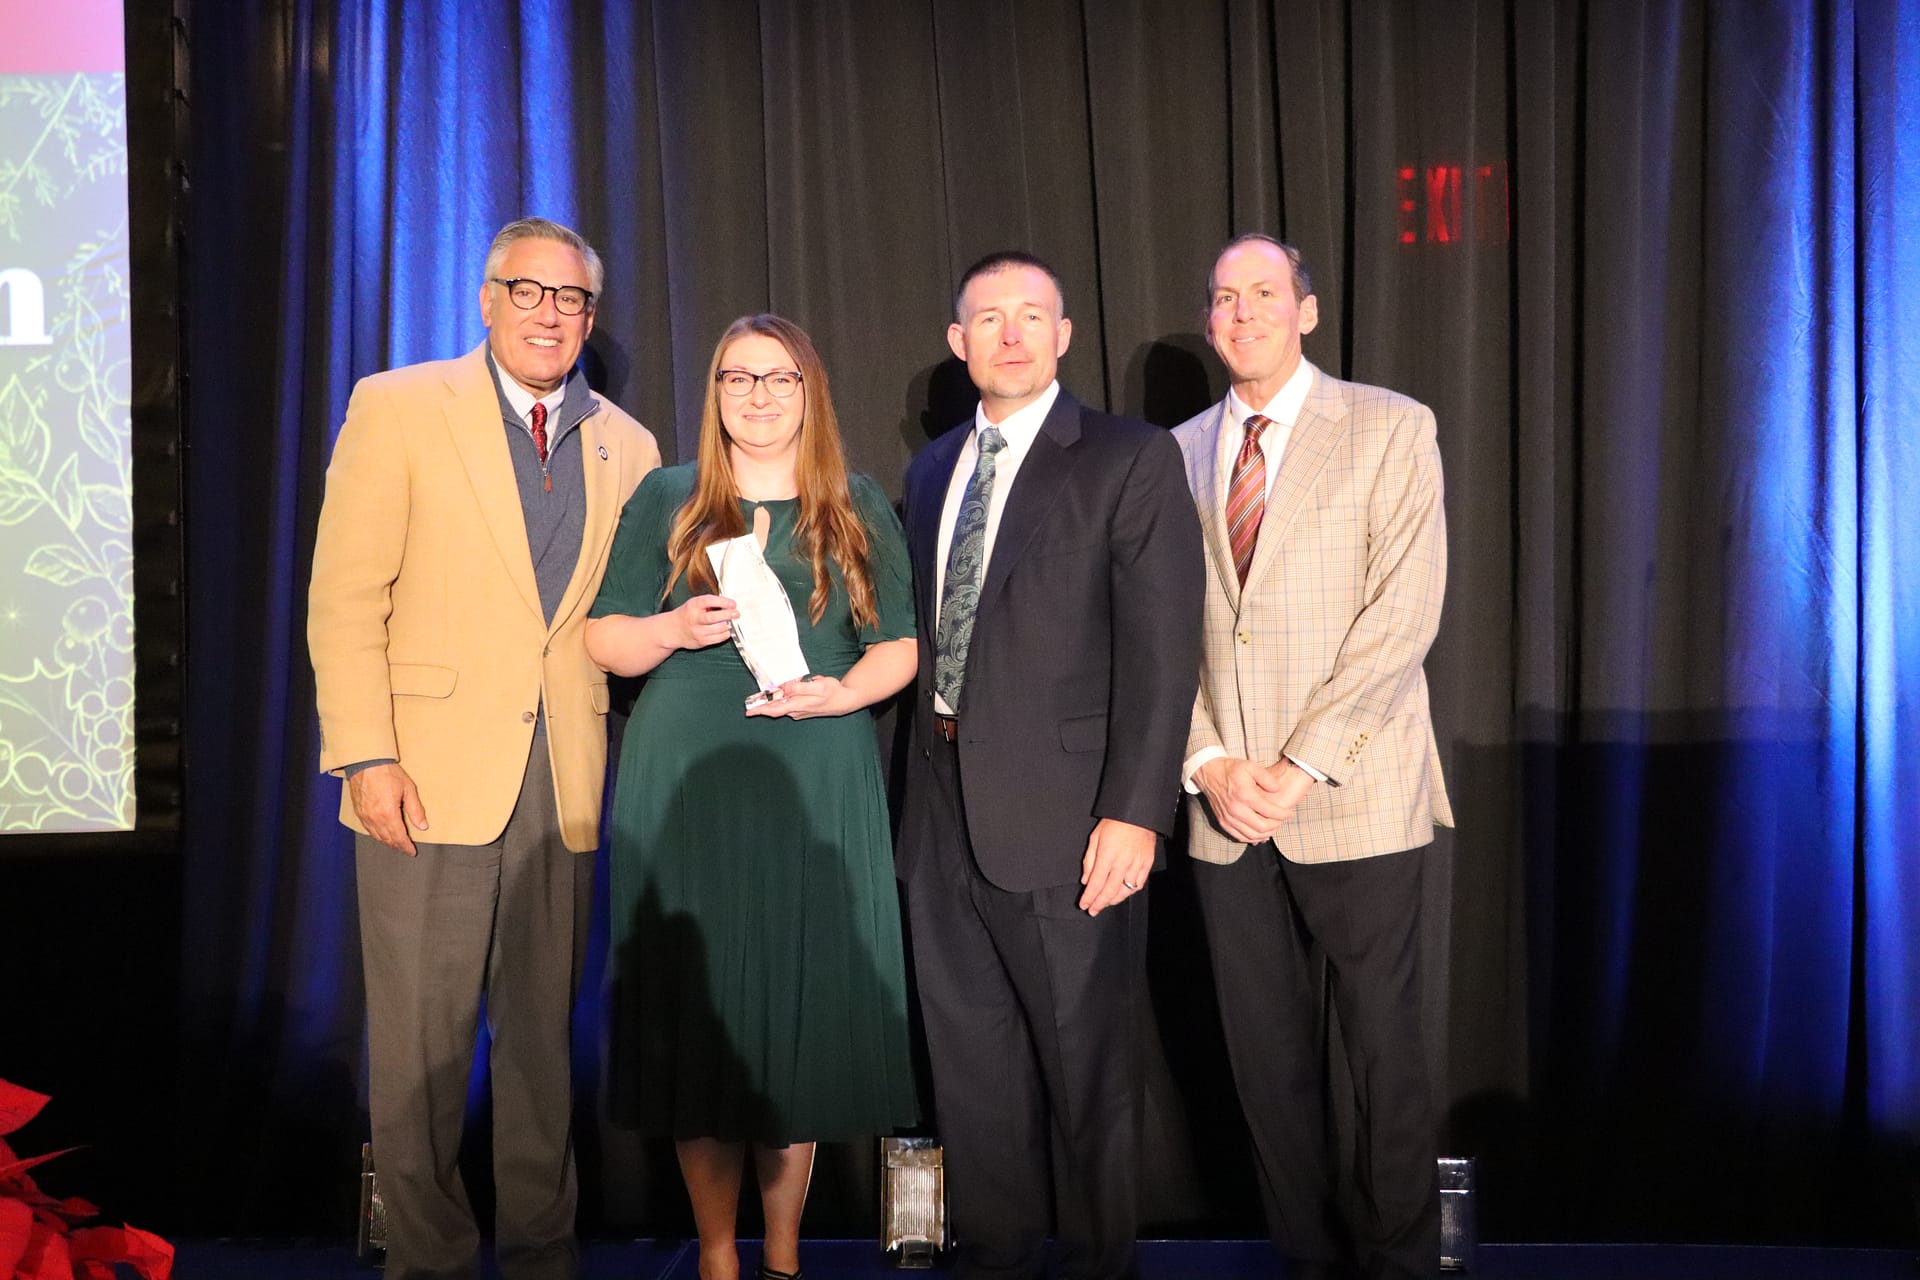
x: 887, y: 562
x: 637, y: 566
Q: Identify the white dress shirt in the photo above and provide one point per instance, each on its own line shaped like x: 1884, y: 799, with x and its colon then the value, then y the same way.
x: 1281, y: 413
x: 1019, y: 431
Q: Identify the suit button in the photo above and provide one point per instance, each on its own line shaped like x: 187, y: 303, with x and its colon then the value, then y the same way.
x: 547, y: 652
x: 1244, y: 637
x: 526, y: 717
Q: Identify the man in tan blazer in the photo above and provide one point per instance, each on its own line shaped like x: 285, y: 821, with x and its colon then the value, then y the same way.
x: 470, y: 506
x: 1312, y: 768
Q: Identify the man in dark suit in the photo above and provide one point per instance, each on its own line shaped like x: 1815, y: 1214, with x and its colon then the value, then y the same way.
x: 1058, y: 569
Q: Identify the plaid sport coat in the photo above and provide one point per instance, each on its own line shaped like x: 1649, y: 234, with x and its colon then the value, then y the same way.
x: 1319, y: 657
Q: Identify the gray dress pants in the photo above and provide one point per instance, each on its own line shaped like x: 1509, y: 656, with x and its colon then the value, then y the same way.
x: 505, y: 922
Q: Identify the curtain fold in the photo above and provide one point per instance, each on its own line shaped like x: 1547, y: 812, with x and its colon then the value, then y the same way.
x: 1885, y: 396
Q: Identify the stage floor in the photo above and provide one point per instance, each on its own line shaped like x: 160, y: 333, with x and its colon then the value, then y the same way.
x: 1159, y: 1260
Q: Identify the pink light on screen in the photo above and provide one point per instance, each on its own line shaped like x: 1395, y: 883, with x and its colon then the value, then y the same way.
x: 72, y: 36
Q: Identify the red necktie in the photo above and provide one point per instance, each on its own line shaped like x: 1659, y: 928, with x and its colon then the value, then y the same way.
x: 540, y: 444
x: 1247, y: 498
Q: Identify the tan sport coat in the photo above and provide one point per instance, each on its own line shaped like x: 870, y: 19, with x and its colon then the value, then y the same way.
x: 428, y: 640
x: 1319, y: 657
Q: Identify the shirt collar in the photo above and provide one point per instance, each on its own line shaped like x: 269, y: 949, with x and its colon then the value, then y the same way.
x: 1023, y: 425
x: 1285, y: 406
x: 520, y: 400
x: 523, y: 400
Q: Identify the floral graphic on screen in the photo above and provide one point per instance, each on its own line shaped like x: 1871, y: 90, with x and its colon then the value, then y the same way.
x: 66, y: 555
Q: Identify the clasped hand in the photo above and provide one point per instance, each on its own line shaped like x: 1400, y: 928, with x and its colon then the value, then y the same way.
x: 1250, y: 801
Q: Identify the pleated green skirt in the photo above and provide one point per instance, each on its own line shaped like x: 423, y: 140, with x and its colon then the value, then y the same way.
x: 759, y: 988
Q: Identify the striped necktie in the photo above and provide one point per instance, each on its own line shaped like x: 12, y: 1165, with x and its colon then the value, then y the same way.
x: 1247, y: 497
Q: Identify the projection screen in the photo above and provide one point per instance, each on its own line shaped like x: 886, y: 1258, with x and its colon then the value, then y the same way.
x: 66, y: 556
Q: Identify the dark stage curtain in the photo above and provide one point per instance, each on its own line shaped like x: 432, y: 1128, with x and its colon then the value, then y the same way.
x: 1646, y: 262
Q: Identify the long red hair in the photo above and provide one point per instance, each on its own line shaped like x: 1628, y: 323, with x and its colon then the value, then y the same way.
x: 828, y: 529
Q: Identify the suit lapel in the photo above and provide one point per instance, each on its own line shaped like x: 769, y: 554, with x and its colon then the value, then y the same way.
x: 928, y: 504
x: 603, y: 508
x: 1203, y: 476
x: 1322, y: 421
x: 1035, y: 487
x: 472, y: 413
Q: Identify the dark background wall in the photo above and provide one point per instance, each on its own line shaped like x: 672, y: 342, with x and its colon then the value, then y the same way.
x: 1642, y: 260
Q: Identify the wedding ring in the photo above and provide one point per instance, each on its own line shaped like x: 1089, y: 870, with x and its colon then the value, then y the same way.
x: 1130, y: 884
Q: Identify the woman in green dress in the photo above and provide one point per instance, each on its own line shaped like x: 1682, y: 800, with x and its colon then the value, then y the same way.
x: 759, y: 998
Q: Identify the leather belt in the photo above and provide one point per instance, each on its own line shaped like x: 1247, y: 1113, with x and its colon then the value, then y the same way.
x: 947, y: 728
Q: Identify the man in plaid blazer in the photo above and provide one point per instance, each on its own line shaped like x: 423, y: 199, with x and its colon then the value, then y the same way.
x: 1311, y: 765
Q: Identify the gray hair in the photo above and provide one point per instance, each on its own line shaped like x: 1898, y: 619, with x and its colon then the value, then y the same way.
x: 546, y: 229
x: 1302, y: 278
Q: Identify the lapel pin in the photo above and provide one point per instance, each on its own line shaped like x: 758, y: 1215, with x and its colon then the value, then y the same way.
x: 603, y: 453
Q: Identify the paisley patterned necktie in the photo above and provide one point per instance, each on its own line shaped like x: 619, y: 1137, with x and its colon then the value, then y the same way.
x: 966, y: 565
x: 540, y: 439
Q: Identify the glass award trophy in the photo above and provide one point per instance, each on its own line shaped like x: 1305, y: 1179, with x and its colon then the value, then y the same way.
x: 765, y: 633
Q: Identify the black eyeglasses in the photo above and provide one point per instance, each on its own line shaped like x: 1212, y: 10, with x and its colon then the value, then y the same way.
x: 568, y: 299
x: 781, y: 383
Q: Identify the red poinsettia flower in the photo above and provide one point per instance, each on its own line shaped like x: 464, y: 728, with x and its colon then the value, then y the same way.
x: 38, y: 1240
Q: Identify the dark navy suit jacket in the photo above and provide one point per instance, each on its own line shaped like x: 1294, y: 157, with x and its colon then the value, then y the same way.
x: 1085, y: 653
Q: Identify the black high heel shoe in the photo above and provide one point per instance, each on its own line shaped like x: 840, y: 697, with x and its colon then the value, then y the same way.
x: 768, y: 1273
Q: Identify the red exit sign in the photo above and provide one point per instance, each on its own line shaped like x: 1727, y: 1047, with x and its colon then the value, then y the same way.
x: 1449, y: 204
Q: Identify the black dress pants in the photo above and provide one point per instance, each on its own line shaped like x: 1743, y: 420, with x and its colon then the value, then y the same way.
x: 1263, y: 916
x: 1029, y: 1006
